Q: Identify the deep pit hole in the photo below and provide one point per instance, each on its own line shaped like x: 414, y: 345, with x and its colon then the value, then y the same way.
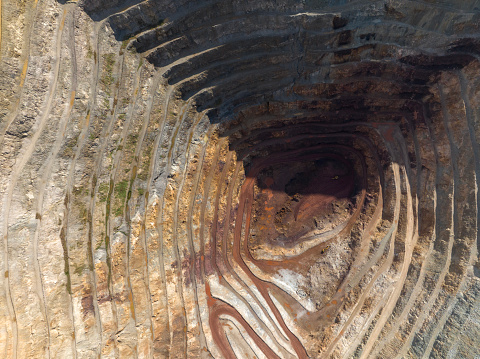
x: 402, y: 80
x: 305, y: 187
x: 300, y: 196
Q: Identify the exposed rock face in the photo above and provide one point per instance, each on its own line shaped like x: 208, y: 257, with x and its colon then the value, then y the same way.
x: 279, y: 179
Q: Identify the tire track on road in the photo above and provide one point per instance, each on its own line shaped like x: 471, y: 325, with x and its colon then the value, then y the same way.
x: 47, y: 173
x: 27, y: 153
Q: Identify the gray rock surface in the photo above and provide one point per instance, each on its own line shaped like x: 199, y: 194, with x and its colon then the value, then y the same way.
x: 269, y: 179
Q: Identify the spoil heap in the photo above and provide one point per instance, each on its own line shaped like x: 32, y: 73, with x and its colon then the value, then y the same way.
x: 280, y: 179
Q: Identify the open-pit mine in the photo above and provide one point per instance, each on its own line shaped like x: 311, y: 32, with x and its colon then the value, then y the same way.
x: 239, y: 179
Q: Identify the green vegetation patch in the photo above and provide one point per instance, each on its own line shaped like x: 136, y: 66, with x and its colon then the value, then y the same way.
x: 103, y: 192
x: 132, y: 140
x: 78, y: 270
x: 107, y: 79
x: 121, y: 189
x: 99, y: 244
x: 145, y: 164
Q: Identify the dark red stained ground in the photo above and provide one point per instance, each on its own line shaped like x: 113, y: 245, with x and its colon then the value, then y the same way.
x: 321, y: 188
x: 285, y: 212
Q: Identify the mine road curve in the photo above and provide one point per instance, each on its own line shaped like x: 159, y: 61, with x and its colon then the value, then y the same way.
x: 273, y: 331
x: 66, y: 117
x: 247, y: 195
x: 26, y: 155
x: 239, y: 215
x: 144, y: 133
x: 374, y: 219
x: 236, y: 252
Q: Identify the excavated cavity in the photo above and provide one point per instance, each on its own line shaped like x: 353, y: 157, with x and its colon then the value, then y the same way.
x: 239, y: 179
x: 299, y: 197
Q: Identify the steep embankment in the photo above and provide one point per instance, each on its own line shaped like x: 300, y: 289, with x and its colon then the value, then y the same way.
x: 246, y: 179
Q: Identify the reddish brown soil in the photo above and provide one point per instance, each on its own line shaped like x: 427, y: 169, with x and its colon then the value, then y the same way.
x: 323, y: 187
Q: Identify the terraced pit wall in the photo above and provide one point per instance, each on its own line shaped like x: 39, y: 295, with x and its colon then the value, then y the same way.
x: 249, y: 179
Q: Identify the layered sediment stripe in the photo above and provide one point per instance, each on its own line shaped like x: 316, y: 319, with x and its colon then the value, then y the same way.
x: 20, y: 326
x: 223, y: 179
